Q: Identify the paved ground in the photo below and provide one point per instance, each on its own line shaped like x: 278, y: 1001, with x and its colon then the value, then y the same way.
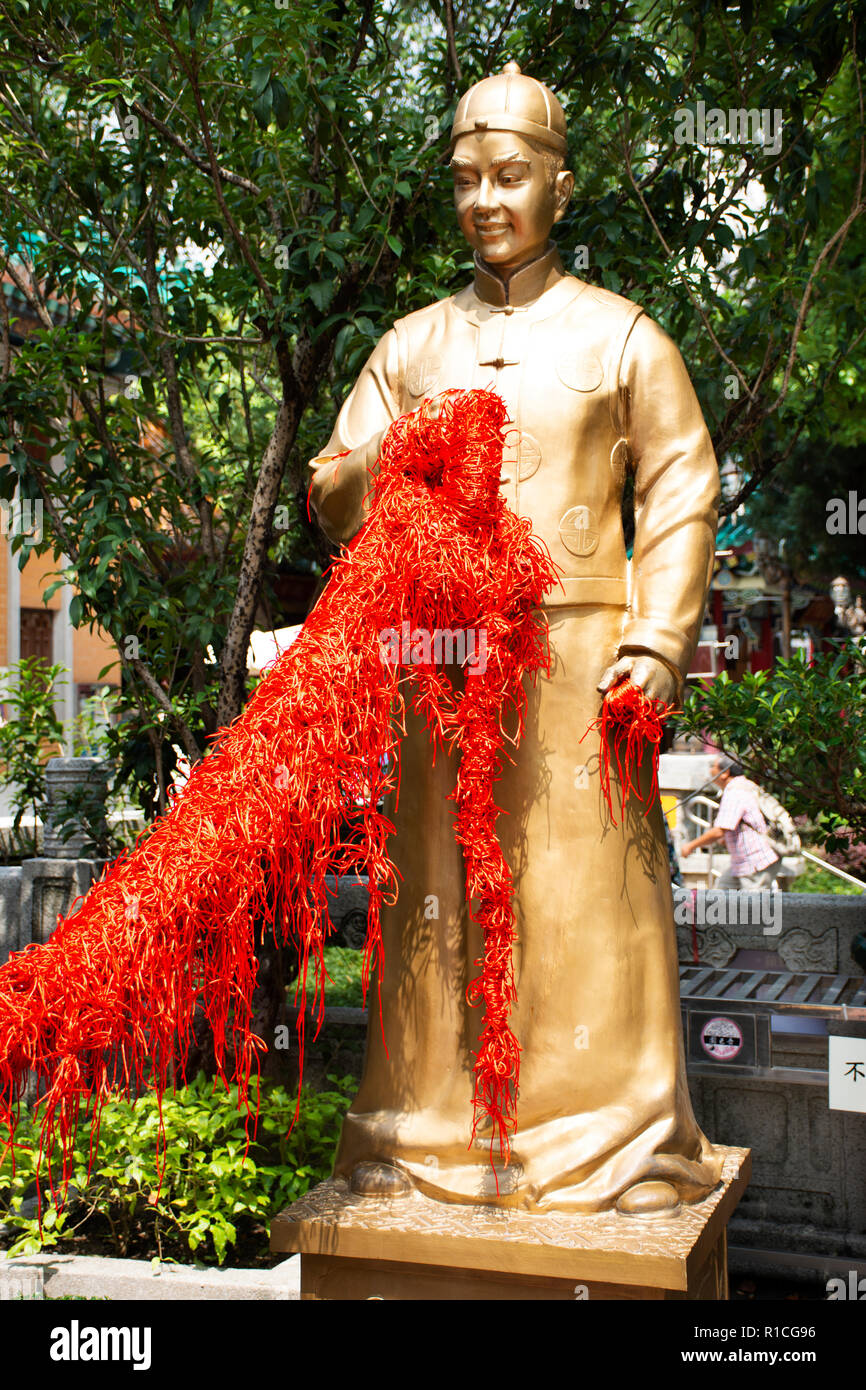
x: 93, y: 1276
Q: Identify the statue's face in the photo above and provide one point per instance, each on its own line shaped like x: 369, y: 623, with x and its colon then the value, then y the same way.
x: 840, y: 593
x: 504, y: 204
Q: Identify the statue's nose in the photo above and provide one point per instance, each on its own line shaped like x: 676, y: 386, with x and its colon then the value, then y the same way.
x: 486, y: 197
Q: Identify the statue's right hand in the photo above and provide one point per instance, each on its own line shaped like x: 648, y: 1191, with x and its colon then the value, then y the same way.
x: 340, y: 488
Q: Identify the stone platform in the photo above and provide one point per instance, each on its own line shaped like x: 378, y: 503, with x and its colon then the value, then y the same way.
x: 414, y: 1248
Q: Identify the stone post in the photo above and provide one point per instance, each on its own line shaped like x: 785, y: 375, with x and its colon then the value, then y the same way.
x: 77, y: 790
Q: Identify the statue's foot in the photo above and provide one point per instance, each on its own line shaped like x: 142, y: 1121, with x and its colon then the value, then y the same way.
x: 649, y: 1198
x: 372, y: 1179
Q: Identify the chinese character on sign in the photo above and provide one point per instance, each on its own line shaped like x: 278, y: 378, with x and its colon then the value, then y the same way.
x: 847, y: 1069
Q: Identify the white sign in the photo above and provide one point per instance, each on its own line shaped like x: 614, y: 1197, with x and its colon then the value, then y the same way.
x: 848, y: 1074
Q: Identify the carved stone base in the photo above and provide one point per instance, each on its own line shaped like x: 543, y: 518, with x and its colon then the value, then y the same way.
x: 412, y: 1247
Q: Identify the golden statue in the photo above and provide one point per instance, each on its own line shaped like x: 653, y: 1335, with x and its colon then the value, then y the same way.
x: 595, y: 390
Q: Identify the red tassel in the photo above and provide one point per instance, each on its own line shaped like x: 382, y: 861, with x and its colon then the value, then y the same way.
x: 629, y: 720
x: 109, y: 1000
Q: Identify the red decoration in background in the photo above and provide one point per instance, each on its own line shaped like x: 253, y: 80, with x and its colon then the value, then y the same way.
x: 248, y: 843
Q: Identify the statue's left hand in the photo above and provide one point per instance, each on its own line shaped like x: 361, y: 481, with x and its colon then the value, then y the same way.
x: 655, y: 678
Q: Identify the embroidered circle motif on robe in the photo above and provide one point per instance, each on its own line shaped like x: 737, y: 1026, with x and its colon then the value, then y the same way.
x: 580, y: 371
x: 523, y: 451
x: 423, y: 376
x: 579, y: 530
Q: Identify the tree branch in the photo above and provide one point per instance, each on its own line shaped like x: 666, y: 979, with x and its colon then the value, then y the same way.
x: 233, y: 661
x: 205, y: 165
x: 173, y: 397
x: 194, y: 753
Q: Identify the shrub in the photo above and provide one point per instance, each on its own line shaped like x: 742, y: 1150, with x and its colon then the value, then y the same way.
x: 215, y: 1186
x: 343, y: 989
x: 30, y: 734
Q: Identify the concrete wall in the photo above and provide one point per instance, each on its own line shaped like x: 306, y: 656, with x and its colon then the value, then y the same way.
x: 807, y: 1196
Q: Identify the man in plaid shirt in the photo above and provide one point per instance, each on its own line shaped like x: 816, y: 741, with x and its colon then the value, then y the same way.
x: 739, y: 823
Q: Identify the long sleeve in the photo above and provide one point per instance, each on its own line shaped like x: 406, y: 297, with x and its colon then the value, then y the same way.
x: 340, y: 485
x: 676, y: 498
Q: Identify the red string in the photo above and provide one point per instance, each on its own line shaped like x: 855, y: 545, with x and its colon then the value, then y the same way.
x: 108, y: 1002
x: 629, y: 722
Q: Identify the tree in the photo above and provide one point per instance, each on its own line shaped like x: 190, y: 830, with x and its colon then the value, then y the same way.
x: 190, y: 227
x: 210, y: 215
x: 797, y: 505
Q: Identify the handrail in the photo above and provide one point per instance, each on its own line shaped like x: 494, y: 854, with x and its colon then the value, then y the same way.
x: 840, y: 873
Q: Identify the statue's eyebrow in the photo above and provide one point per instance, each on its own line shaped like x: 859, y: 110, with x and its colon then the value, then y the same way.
x: 515, y: 158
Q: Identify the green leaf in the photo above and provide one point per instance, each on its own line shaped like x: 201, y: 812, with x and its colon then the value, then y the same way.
x: 321, y: 293
x: 262, y: 107
x: 282, y: 104
x: 260, y: 79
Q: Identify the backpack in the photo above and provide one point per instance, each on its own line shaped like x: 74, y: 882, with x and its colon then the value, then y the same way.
x: 781, y: 831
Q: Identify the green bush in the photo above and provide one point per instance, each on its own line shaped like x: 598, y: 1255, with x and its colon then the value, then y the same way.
x: 215, y: 1187
x: 800, y: 731
x: 30, y: 734
x: 817, y: 880
x: 344, y: 989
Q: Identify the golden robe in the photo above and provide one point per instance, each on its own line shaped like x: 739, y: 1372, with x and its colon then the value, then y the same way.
x: 594, y: 389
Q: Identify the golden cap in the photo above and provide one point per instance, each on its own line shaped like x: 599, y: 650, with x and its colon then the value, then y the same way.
x: 512, y: 101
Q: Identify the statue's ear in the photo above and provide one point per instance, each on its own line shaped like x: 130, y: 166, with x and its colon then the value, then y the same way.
x: 563, y: 189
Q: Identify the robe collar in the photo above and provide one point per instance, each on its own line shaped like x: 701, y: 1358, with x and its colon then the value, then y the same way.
x: 526, y: 284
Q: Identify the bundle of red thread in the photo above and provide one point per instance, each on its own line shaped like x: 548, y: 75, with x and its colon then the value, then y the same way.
x: 247, y: 847
x: 629, y: 723
x: 248, y: 844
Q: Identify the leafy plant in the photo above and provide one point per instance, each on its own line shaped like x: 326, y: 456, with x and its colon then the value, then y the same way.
x: 81, y: 811
x: 214, y: 1184
x: 91, y: 735
x: 343, y: 989
x: 800, y: 731
x: 817, y: 880
x: 30, y: 736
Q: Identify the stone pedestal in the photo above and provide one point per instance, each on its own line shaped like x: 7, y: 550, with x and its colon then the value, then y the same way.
x: 48, y: 889
x: 415, y: 1248
x: 77, y: 789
